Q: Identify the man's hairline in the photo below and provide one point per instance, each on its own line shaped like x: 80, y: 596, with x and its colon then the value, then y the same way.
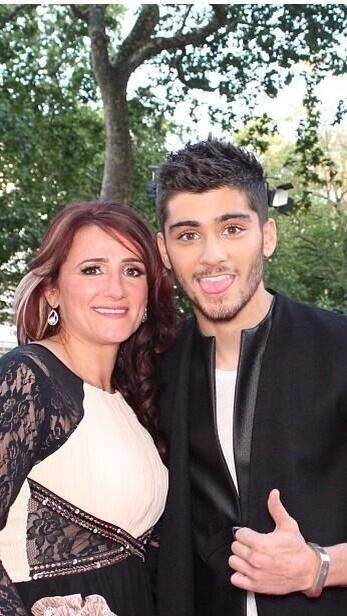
x: 163, y: 219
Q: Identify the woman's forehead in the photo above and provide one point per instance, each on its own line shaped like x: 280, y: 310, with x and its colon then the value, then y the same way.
x: 91, y: 237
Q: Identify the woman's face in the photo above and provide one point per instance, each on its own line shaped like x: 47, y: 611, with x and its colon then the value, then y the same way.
x: 101, y: 290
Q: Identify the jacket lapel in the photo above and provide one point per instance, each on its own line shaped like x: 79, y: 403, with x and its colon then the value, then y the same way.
x: 253, y: 344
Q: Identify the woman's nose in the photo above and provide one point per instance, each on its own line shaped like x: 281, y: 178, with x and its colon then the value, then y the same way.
x: 114, y: 285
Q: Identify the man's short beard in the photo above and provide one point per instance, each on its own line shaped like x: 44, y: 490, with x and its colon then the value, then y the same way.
x: 224, y: 313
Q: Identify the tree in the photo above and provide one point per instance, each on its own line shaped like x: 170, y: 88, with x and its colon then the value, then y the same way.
x: 51, y: 133
x: 235, y: 49
x: 310, y: 262
x: 51, y: 143
x: 52, y: 123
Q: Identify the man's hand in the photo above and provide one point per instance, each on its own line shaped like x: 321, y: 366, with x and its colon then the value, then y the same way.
x: 275, y: 563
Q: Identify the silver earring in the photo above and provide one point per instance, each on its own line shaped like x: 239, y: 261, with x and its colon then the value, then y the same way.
x: 145, y: 315
x: 53, y: 317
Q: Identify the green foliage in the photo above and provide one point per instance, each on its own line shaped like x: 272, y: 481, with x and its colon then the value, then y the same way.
x: 258, y: 133
x: 257, y: 48
x: 52, y: 135
x: 310, y: 263
x: 51, y: 142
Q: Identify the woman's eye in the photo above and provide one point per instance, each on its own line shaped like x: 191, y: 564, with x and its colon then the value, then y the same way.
x: 91, y: 270
x: 133, y: 271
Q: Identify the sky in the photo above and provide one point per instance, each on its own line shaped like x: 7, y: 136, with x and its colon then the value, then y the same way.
x: 286, y: 109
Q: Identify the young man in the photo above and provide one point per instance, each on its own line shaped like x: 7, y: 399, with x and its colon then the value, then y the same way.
x: 253, y: 406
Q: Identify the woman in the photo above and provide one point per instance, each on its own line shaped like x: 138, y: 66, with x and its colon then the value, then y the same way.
x: 81, y: 481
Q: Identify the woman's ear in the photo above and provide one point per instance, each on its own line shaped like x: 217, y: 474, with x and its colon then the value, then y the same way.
x: 52, y: 297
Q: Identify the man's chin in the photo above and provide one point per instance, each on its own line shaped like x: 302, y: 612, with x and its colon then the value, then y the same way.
x: 219, y: 313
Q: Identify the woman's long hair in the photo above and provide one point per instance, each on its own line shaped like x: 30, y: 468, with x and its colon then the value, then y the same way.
x: 134, y: 372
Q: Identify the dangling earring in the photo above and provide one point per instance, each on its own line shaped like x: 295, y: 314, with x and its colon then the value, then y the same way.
x: 144, y: 316
x: 53, y: 317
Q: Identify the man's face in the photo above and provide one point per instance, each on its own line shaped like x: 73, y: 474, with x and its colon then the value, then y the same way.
x: 215, y: 245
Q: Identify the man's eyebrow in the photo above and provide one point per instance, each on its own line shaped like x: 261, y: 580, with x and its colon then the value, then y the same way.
x: 184, y: 223
x: 233, y: 216
x: 222, y: 218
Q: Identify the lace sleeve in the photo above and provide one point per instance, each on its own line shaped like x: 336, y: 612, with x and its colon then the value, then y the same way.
x: 21, y: 427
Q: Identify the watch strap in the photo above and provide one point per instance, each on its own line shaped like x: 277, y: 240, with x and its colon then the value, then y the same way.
x: 322, y: 571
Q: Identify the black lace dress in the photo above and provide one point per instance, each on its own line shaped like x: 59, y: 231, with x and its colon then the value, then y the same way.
x: 81, y: 486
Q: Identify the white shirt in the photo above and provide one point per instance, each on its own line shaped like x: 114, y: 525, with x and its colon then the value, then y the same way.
x: 225, y: 395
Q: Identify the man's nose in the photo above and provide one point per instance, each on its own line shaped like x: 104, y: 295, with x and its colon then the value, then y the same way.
x: 213, y: 250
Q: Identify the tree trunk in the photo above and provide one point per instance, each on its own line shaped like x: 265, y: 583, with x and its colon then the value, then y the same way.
x: 117, y: 168
x: 112, y: 80
x: 112, y: 77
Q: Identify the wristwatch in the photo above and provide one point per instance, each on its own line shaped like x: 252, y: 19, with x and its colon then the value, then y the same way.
x: 322, y: 572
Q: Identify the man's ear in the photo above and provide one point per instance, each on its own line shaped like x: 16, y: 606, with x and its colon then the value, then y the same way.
x: 269, y: 237
x: 162, y: 249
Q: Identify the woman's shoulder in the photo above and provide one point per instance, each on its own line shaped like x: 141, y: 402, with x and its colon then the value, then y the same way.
x: 35, y: 354
x: 35, y: 362
x: 25, y: 371
x: 28, y: 358
x: 32, y: 373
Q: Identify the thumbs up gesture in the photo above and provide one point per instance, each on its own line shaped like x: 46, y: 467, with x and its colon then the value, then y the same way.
x: 275, y: 563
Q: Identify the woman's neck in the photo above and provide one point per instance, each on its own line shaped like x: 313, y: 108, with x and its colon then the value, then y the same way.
x: 92, y: 364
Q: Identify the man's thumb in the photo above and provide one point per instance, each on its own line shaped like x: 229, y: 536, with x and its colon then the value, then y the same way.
x: 279, y: 514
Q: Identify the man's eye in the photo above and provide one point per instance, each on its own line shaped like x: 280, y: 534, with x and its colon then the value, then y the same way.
x: 188, y: 236
x: 232, y: 230
x: 133, y: 271
x: 91, y: 270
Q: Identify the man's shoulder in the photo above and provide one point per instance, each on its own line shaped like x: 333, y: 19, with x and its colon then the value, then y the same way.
x: 311, y: 316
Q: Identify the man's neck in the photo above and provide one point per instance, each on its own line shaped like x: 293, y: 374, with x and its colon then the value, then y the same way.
x: 228, y: 333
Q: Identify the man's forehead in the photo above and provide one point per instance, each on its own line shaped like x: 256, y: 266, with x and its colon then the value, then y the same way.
x: 213, y: 205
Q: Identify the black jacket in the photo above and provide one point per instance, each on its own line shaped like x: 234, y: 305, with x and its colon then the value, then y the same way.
x: 290, y: 432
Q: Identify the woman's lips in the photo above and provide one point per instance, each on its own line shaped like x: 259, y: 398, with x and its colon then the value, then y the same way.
x: 213, y: 285
x: 113, y: 313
